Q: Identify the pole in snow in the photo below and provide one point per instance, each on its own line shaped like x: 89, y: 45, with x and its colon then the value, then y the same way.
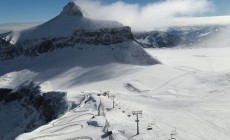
x: 108, y: 94
x: 173, y: 133
x: 113, y: 100
x: 137, y: 120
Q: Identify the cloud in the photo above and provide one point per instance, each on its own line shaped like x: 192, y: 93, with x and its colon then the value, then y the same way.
x: 219, y: 39
x: 196, y: 21
x: 16, y: 26
x: 147, y: 17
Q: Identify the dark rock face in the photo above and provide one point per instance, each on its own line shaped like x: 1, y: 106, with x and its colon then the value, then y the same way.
x: 8, y: 51
x: 4, y: 92
x: 158, y: 39
x: 106, y: 36
x: 35, y: 107
x: 71, y: 9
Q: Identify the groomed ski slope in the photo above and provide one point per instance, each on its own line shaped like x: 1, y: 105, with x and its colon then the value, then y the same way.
x: 189, y: 98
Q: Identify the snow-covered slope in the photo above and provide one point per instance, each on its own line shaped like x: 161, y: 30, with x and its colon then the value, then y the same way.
x: 67, y: 42
x: 180, y: 96
x: 64, y: 25
x: 69, y: 20
x: 188, y: 95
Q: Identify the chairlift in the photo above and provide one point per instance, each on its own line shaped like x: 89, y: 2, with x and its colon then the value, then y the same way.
x: 174, y: 132
x: 149, y: 127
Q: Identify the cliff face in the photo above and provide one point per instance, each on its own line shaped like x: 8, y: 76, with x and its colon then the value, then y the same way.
x: 71, y: 9
x: 35, y: 47
x: 158, y: 39
x: 32, y: 108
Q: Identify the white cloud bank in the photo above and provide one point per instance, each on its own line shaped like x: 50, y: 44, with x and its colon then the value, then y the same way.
x: 147, y: 17
x: 220, y: 39
x: 190, y: 21
x: 7, y: 27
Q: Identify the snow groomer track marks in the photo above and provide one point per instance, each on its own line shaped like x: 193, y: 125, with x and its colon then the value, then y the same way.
x: 65, y: 127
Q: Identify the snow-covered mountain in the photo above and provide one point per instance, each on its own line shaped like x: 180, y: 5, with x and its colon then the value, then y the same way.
x: 83, y: 64
x: 68, y: 41
x: 178, y: 36
x: 71, y: 29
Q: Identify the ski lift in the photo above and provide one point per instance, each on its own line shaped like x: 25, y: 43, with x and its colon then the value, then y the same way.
x: 149, y: 127
x: 173, y: 134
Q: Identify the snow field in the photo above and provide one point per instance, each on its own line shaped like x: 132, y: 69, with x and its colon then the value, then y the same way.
x: 187, y: 95
x: 183, y: 94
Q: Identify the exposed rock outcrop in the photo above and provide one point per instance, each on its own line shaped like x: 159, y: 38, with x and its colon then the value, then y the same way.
x: 32, y: 108
x: 71, y: 9
x: 32, y: 48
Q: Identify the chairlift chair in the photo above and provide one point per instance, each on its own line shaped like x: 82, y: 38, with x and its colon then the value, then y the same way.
x: 174, y: 132
x: 149, y: 127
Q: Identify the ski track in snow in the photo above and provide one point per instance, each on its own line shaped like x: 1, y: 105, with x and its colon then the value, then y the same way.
x: 70, y: 121
x: 160, y: 133
x: 188, y: 101
x: 188, y: 71
x: 73, y: 121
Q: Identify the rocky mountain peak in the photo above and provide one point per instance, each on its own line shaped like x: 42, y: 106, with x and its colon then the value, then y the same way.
x: 71, y: 9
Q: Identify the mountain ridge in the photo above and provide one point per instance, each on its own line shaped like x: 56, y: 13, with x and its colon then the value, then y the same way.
x: 70, y: 29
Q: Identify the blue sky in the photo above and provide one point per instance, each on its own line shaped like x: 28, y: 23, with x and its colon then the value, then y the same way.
x: 42, y: 10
